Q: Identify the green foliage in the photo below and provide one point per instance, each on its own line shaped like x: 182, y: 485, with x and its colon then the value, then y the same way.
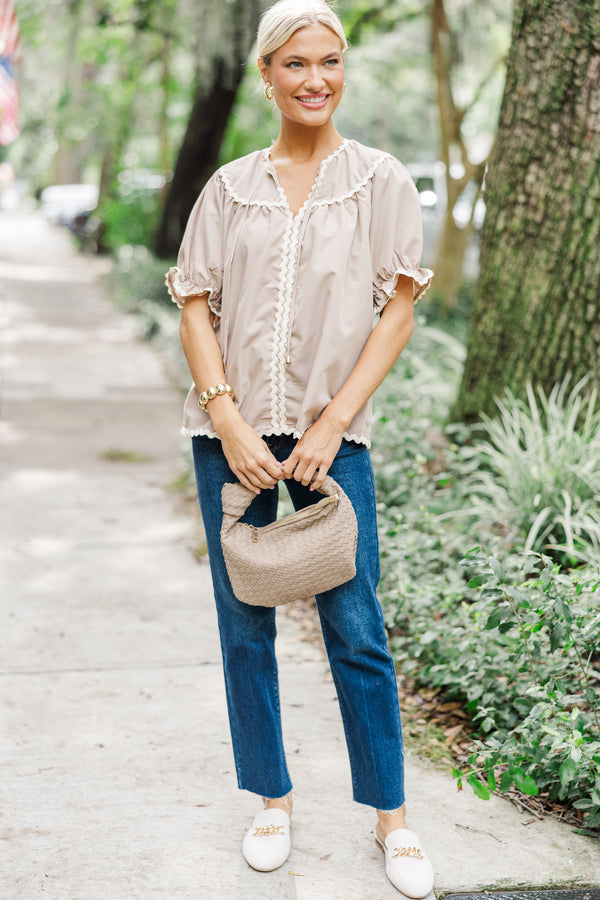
x: 363, y: 18
x: 101, y: 87
x: 539, y: 472
x: 253, y: 125
x: 130, y: 220
x: 138, y: 284
x: 505, y: 631
x: 542, y: 715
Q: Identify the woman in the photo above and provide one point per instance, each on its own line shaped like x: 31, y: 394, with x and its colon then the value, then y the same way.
x: 287, y: 255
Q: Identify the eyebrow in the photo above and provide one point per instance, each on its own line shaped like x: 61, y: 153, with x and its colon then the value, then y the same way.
x: 304, y: 58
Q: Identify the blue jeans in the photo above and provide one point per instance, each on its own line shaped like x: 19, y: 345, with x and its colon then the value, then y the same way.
x: 353, y: 631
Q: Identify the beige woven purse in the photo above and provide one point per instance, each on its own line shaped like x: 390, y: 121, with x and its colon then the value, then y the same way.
x: 308, y: 552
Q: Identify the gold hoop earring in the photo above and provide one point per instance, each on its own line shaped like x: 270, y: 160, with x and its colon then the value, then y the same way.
x: 269, y: 91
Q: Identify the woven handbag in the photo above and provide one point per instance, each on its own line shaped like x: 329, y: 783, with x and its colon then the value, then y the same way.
x: 308, y: 552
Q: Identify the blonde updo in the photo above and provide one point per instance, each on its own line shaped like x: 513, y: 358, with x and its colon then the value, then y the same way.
x: 282, y: 20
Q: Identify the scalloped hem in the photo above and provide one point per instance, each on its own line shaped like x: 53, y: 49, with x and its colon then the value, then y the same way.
x: 181, y: 289
x: 421, y: 280
x: 208, y: 432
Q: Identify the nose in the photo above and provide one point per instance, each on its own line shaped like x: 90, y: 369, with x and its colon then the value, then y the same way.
x: 314, y: 79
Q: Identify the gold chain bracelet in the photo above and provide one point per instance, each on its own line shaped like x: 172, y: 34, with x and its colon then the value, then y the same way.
x: 219, y: 390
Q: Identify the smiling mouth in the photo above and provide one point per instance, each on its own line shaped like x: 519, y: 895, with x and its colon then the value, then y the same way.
x: 313, y: 99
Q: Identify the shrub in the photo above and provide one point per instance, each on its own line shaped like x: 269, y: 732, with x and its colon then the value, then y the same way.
x: 505, y: 631
x: 539, y: 472
x: 550, y: 624
x: 132, y: 214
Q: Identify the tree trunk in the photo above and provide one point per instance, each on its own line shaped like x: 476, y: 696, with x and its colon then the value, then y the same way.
x: 450, y: 260
x: 536, y: 315
x: 69, y: 159
x: 454, y: 240
x: 228, y: 39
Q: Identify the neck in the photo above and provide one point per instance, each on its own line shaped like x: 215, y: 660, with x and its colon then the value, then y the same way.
x: 300, y: 143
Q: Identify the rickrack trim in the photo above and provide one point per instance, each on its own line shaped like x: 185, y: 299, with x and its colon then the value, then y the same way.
x: 266, y: 204
x: 285, y: 294
x: 361, y: 184
x: 282, y: 203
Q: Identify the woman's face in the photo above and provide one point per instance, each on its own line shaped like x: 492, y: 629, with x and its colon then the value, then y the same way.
x: 307, y: 74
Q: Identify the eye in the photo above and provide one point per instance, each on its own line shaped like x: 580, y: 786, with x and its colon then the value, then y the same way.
x: 332, y: 62
x: 293, y: 64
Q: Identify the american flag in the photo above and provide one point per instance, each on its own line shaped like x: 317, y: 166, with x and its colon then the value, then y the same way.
x: 9, y: 55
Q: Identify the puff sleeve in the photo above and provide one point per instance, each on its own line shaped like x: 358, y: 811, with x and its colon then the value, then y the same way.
x: 396, y: 233
x: 199, y: 267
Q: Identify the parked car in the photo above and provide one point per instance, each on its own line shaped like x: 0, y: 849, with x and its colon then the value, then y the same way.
x: 430, y: 181
x: 62, y: 204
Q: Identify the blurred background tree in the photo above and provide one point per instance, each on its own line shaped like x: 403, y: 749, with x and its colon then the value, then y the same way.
x: 226, y: 35
x: 463, y: 170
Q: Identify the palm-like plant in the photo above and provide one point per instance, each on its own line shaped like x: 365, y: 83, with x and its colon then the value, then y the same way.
x: 539, y: 476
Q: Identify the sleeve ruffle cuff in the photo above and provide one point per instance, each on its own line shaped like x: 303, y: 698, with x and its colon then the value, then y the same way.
x: 384, y: 288
x: 181, y: 288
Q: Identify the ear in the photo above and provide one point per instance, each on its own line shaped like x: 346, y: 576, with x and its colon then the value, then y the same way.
x: 264, y: 69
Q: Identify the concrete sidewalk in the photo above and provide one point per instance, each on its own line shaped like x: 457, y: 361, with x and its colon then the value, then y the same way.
x: 117, y: 774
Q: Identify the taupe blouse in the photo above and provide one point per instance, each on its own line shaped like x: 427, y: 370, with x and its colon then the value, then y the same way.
x: 294, y: 296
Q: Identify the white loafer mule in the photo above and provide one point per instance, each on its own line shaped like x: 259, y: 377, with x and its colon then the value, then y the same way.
x: 406, y: 865
x: 267, y: 844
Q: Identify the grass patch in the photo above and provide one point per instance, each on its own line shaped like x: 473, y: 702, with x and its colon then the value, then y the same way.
x: 200, y: 552
x: 122, y: 455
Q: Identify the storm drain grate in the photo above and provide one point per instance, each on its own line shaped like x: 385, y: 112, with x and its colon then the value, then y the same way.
x: 580, y: 894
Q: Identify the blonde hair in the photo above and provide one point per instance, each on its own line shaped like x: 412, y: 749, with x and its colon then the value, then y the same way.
x: 282, y: 20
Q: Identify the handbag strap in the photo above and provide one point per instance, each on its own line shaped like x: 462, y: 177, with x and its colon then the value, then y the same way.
x: 236, y: 498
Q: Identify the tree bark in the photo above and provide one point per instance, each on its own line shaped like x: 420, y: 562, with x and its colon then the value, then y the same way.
x: 229, y: 34
x: 536, y: 315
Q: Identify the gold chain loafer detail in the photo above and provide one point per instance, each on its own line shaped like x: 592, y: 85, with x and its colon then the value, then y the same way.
x: 406, y: 865
x: 267, y: 844
x: 408, y: 851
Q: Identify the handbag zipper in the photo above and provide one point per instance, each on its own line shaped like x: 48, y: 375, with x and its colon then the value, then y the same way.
x: 293, y: 517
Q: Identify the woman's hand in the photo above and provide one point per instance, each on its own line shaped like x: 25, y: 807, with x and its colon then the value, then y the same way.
x: 249, y: 457
x: 247, y: 454
x: 315, y: 451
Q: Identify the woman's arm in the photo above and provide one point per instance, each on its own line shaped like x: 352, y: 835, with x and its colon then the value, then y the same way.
x: 319, y: 444
x: 248, y: 456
